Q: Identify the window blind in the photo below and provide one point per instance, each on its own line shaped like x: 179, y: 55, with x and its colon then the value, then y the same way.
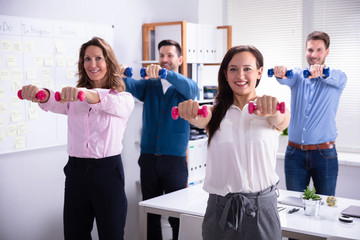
x: 273, y: 28
x: 279, y: 29
x: 341, y: 20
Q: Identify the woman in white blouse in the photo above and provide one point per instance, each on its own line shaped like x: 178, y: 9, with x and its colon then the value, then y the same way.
x: 241, y: 157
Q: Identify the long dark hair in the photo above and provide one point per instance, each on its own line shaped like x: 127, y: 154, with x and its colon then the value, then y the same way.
x: 225, y: 97
x: 114, y: 80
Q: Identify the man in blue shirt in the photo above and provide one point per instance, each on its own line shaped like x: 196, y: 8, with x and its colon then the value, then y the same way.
x: 163, y: 166
x: 311, y: 151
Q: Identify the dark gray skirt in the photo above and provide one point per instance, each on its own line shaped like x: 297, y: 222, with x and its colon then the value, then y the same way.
x: 252, y: 216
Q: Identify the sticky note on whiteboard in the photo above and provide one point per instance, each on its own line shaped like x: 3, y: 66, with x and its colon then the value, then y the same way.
x: 2, y: 136
x: 15, y: 116
x: 21, y: 128
x: 19, y: 142
x: 33, y: 113
x: 30, y: 73
x: 11, y: 130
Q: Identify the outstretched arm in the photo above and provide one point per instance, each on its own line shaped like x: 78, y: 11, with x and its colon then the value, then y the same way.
x: 189, y: 109
x: 266, y: 107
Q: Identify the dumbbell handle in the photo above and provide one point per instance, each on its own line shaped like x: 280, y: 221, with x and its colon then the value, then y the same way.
x: 288, y: 74
x: 41, y: 95
x: 202, y: 111
x: 326, y: 72
x: 81, y: 96
x: 128, y: 72
x: 162, y: 72
x: 280, y: 107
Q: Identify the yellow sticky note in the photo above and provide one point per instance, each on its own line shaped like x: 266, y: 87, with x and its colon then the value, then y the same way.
x: 29, y: 46
x: 16, y: 85
x: 2, y: 136
x: 6, y: 45
x: 4, y: 74
x: 1, y: 122
x: 39, y: 61
x: 19, y: 142
x: 3, y: 107
x: 48, y: 61
x: 11, y: 130
x: 46, y: 73
x: 15, y: 116
x: 21, y: 129
x: 60, y: 61
x: 60, y: 47
x: 17, y: 74
x: 18, y: 47
x: 49, y: 83
x: 15, y: 101
x: 30, y: 74
x: 33, y: 113
x: 11, y: 60
x: 2, y: 93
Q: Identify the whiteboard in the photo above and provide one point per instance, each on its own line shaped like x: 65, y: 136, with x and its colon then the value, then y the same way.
x: 44, y: 53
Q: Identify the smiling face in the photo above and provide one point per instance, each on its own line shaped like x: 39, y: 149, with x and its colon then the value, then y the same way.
x: 316, y: 52
x: 95, y: 65
x: 169, y: 59
x: 242, y: 75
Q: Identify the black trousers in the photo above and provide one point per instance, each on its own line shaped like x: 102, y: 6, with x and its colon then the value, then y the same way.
x: 94, y: 188
x: 159, y: 175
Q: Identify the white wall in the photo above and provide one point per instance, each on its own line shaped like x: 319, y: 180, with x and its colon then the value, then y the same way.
x: 211, y: 12
x: 32, y: 182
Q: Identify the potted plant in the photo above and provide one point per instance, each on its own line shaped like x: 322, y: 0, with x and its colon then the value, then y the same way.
x: 311, y: 202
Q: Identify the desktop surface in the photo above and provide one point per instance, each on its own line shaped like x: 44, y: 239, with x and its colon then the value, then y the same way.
x: 193, y: 201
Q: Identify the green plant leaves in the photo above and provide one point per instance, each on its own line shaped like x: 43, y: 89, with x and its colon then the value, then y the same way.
x: 310, y: 194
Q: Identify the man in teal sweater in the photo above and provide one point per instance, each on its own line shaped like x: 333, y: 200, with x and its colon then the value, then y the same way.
x: 163, y: 167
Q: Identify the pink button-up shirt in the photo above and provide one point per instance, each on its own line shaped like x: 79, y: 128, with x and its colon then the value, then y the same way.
x: 95, y: 130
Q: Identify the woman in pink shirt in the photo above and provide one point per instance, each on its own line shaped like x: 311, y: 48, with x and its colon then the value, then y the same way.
x: 94, y: 185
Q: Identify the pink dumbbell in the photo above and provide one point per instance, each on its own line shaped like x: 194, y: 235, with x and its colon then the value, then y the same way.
x: 202, y: 111
x: 41, y: 95
x: 81, y: 96
x: 280, y: 107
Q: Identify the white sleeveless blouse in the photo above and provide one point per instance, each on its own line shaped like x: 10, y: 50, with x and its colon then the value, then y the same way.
x: 242, y: 154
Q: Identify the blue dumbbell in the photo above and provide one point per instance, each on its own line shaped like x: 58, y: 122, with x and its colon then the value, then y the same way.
x: 128, y: 72
x: 162, y: 72
x: 326, y: 72
x: 288, y: 74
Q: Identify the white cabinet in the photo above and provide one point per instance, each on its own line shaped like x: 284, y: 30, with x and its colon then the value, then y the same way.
x: 197, y: 161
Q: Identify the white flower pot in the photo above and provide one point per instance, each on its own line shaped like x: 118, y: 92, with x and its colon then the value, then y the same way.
x: 311, y: 207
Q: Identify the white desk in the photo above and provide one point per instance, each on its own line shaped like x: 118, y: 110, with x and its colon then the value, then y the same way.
x: 193, y: 201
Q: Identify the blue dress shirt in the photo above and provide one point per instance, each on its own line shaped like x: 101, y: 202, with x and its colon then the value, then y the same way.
x: 314, y: 103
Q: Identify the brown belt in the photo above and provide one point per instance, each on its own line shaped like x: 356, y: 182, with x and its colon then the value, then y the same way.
x: 325, y: 145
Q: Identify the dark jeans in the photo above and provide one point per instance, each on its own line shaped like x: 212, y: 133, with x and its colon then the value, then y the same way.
x: 159, y: 175
x: 94, y: 188
x: 320, y: 165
